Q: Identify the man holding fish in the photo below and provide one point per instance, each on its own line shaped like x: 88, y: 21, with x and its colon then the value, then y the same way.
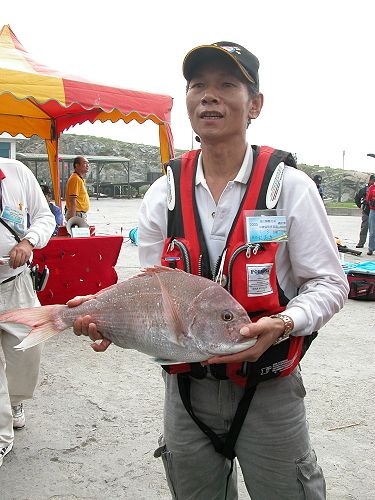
x: 218, y: 212
x: 245, y: 218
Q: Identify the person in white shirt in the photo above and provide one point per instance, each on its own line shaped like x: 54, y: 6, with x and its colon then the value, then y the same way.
x: 205, y: 204
x: 26, y: 222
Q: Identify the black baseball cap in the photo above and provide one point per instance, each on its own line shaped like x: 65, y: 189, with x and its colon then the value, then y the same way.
x: 245, y: 60
x: 372, y: 177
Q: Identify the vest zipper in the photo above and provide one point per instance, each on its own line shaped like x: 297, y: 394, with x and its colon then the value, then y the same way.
x: 184, y: 253
x: 251, y: 249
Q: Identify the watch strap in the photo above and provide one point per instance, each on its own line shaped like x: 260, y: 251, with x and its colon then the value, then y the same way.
x: 288, y: 327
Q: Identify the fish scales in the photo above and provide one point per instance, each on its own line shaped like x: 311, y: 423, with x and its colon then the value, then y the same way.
x: 164, y: 313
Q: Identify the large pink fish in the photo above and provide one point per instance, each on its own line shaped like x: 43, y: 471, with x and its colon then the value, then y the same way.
x: 165, y: 313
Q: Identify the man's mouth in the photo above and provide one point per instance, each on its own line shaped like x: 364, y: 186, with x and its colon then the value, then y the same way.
x: 210, y: 115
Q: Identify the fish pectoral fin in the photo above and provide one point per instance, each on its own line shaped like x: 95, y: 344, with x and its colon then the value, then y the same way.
x: 171, y: 316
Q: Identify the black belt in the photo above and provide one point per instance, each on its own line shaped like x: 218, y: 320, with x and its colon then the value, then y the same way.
x: 10, y: 279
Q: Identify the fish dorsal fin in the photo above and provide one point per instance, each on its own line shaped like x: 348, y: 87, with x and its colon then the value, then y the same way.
x: 151, y: 271
x: 171, y: 314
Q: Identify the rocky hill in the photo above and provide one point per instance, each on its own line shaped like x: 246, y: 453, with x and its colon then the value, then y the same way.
x: 338, y: 185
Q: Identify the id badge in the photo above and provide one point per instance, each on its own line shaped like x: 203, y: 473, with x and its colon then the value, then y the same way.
x: 265, y: 226
x: 12, y: 215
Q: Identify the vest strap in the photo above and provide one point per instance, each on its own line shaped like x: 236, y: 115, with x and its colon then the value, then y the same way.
x: 223, y: 446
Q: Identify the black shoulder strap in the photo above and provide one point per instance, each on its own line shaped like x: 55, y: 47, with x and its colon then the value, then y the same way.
x: 224, y: 447
x: 18, y: 239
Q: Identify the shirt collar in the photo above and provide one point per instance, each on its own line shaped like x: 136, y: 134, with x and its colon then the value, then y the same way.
x: 243, y: 173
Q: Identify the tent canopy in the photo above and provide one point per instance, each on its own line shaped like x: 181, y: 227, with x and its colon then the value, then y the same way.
x: 36, y: 100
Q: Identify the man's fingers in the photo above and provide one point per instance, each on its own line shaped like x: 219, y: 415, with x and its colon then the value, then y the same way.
x: 80, y: 299
x: 101, y: 346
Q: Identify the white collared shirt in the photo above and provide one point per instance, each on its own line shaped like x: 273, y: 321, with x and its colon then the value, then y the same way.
x: 308, y: 266
x: 21, y: 191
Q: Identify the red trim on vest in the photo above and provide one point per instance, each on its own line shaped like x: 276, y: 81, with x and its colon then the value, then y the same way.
x: 187, y: 195
x: 2, y: 175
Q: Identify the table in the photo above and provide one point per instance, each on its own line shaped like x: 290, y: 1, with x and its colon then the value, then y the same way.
x: 77, y: 266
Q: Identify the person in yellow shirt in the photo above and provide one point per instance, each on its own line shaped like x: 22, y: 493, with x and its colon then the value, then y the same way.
x: 76, y: 197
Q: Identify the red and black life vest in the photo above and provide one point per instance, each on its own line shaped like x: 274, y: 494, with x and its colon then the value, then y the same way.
x: 185, y: 248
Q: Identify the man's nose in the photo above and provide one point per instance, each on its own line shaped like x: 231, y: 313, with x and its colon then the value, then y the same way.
x: 209, y: 96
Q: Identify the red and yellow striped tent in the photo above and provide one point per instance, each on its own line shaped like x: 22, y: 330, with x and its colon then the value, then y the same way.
x: 35, y: 99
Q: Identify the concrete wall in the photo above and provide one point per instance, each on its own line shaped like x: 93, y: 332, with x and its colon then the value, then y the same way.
x: 344, y: 211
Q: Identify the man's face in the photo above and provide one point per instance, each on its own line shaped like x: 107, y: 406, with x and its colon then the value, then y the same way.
x: 82, y: 167
x: 218, y: 102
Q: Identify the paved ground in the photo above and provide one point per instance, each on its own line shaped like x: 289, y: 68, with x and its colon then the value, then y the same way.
x: 95, y: 418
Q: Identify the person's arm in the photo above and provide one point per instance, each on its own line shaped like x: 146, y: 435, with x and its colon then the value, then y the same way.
x: 152, y: 223
x: 72, y: 190
x: 370, y: 194
x: 308, y: 269
x: 358, y: 198
x: 58, y: 215
x: 42, y: 221
x: 72, y: 210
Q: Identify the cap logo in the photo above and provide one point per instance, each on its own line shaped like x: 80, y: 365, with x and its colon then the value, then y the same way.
x: 231, y: 49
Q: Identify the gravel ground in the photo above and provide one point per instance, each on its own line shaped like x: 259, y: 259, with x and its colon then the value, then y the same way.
x: 93, y: 424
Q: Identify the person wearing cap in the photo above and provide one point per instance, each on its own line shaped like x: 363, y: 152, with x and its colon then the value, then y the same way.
x: 370, y: 201
x: 360, y: 201
x: 199, y: 218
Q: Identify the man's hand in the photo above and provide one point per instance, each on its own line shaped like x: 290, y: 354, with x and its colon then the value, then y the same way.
x: 268, y: 330
x: 20, y: 254
x: 83, y: 325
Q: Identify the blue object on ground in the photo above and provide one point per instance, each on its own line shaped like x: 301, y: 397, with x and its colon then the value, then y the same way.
x: 133, y: 235
x: 367, y: 267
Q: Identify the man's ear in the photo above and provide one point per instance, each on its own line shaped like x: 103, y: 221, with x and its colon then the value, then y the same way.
x: 255, y: 106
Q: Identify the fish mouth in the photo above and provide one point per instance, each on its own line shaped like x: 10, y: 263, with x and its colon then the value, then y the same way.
x: 234, y: 348
x: 242, y: 346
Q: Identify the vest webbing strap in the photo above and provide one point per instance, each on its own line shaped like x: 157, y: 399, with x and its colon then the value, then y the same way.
x: 223, y: 446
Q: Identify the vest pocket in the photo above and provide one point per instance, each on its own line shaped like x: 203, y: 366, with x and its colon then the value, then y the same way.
x: 252, y: 277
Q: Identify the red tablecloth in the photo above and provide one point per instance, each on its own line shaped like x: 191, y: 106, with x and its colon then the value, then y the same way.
x: 77, y: 266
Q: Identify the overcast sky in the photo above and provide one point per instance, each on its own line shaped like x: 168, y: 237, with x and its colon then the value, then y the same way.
x: 316, y: 63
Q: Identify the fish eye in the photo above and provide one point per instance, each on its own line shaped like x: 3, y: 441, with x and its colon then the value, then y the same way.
x: 227, y: 316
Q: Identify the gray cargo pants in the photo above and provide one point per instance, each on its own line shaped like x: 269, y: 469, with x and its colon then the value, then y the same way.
x: 273, y: 448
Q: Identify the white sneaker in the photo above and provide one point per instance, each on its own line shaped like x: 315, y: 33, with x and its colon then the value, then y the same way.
x: 18, y: 416
x: 4, y: 451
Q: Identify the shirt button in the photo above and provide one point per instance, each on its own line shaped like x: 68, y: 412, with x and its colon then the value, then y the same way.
x: 213, y: 215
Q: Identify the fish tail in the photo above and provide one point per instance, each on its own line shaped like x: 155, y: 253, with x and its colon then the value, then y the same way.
x: 44, y: 320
